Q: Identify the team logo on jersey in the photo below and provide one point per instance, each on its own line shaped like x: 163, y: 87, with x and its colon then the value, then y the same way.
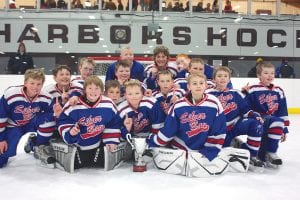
x: 192, y: 119
x: 270, y: 100
x: 91, y: 126
x: 139, y: 123
x: 227, y: 106
x: 27, y: 112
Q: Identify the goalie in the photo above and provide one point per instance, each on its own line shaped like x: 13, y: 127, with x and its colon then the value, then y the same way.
x: 196, y: 128
x: 86, y: 128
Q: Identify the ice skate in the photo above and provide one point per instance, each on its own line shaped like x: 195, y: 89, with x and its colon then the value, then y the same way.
x: 236, y: 143
x: 30, y: 143
x: 273, y: 160
x: 45, y: 155
x: 256, y: 165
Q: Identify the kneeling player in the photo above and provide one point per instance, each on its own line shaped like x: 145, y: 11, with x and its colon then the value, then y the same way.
x: 87, y: 127
x: 196, y: 126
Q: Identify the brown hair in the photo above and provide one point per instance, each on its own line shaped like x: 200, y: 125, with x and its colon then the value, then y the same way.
x: 122, y: 63
x: 222, y: 68
x: 93, y: 80
x: 36, y: 74
x: 60, y: 68
x: 112, y: 84
x: 260, y: 66
x: 161, y: 49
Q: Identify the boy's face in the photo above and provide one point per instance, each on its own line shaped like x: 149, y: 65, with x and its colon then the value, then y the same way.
x: 33, y: 87
x: 86, y: 70
x: 222, y: 79
x: 127, y: 54
x: 197, y: 86
x: 161, y: 60
x: 114, y: 93
x: 123, y: 73
x: 266, y: 76
x: 196, y: 68
x: 63, y: 77
x: 92, y: 92
x: 182, y: 63
x: 133, y: 95
x: 165, y: 83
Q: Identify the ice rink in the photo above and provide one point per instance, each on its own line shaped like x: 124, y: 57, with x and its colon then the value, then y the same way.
x: 23, y: 179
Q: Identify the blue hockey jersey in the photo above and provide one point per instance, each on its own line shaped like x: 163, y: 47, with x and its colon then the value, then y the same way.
x: 234, y: 105
x: 199, y: 127
x: 268, y: 101
x: 148, y: 118
x: 18, y: 110
x: 98, y: 123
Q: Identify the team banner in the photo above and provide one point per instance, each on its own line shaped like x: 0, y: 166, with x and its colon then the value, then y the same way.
x: 212, y: 36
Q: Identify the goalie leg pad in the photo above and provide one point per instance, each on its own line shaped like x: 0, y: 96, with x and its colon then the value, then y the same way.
x: 172, y: 161
x: 64, y: 155
x: 114, y: 159
x: 238, y: 159
x: 45, y: 156
x: 199, y: 166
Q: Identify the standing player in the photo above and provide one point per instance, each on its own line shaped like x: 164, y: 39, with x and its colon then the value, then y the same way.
x: 240, y: 120
x: 269, y: 100
x: 136, y: 68
x: 24, y: 109
x: 161, y: 57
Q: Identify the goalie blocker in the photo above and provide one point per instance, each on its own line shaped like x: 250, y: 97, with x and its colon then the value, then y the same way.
x: 69, y: 157
x: 194, y: 164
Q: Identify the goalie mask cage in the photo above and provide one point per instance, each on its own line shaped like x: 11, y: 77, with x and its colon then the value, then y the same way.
x: 103, y: 62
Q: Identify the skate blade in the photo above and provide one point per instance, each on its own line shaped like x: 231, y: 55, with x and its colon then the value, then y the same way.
x: 272, y: 166
x: 256, y: 169
x: 45, y: 165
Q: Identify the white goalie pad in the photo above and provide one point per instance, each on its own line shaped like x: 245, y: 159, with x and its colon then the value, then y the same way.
x: 114, y: 159
x: 172, y: 161
x: 238, y: 159
x: 199, y: 166
x: 64, y: 155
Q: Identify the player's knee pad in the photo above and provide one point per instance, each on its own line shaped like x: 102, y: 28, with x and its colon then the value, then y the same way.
x: 113, y: 159
x: 238, y: 159
x: 171, y: 161
x: 199, y: 166
x: 64, y: 154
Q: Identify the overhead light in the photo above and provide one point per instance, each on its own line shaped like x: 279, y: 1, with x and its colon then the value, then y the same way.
x: 21, y: 17
x: 154, y: 39
x: 107, y: 51
x: 165, y: 18
x: 34, y: 29
x: 92, y: 17
x: 1, y: 52
x: 241, y: 58
x: 101, y: 39
x: 274, y: 46
x: 160, y: 30
x: 72, y: 56
x: 67, y: 52
x: 60, y: 46
x: 151, y: 46
x: 255, y: 53
x: 97, y: 29
x: 222, y: 30
x: 197, y: 46
x: 237, y: 20
x: 190, y: 51
x: 104, y: 46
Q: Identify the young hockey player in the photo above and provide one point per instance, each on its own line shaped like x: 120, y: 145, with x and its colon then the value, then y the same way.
x: 136, y: 68
x: 240, y: 120
x: 269, y: 100
x: 88, y: 126
x: 113, y: 91
x: 25, y: 109
x: 62, y: 89
x: 167, y: 94
x: 143, y: 114
x: 86, y: 68
x: 196, y: 126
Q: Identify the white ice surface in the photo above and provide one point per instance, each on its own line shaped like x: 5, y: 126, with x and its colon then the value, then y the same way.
x: 23, y: 179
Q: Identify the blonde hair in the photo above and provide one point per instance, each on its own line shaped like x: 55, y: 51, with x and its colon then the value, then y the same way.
x: 164, y: 72
x: 86, y: 60
x: 36, y: 74
x: 221, y: 68
x: 132, y: 83
x: 199, y: 75
x: 93, y: 80
x: 262, y: 65
x: 196, y: 60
